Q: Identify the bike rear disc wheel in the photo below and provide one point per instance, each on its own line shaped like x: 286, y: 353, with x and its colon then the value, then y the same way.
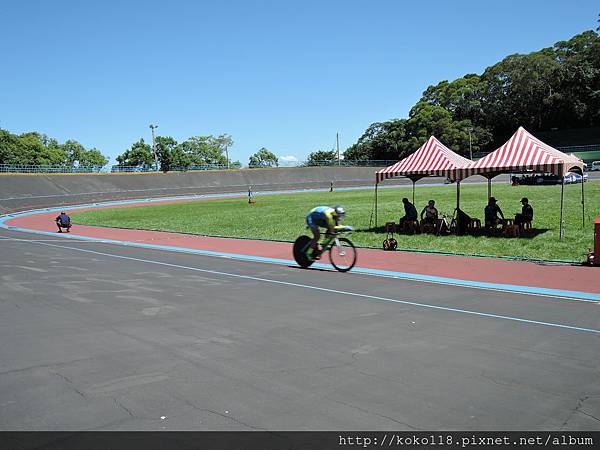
x: 300, y: 247
x: 343, y: 257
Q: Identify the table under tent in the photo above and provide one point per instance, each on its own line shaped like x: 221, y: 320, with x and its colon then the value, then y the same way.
x: 431, y: 159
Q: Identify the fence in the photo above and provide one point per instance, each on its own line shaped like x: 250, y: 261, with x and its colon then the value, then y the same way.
x: 13, y: 168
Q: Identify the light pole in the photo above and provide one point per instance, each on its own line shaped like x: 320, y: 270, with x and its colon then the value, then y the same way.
x: 152, y: 127
x: 470, y: 146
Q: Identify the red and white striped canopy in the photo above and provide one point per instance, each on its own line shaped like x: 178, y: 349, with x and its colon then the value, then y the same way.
x: 523, y: 152
x: 432, y: 158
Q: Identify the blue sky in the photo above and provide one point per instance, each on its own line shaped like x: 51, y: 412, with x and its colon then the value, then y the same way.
x: 286, y: 75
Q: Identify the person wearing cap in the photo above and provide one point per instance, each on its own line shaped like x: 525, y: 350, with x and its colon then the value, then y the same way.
x: 491, y: 212
x: 63, y: 221
x: 526, y: 213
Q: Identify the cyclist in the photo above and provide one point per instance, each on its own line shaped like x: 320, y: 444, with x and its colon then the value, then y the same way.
x: 324, y: 217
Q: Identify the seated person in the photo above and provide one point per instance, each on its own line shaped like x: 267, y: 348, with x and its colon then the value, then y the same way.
x: 324, y: 217
x: 462, y: 222
x: 410, y: 213
x: 430, y: 212
x: 526, y: 213
x: 491, y: 212
x: 63, y: 221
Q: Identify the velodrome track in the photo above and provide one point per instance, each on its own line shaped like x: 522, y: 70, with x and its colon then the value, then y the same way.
x: 106, y: 337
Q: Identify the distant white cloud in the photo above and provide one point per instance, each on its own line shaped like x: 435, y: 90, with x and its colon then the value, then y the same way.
x: 288, y: 159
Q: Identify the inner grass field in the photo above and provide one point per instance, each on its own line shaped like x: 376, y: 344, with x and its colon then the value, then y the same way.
x: 282, y: 218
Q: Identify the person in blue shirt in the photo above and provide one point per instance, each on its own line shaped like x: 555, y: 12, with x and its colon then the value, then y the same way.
x: 63, y: 221
x: 324, y: 217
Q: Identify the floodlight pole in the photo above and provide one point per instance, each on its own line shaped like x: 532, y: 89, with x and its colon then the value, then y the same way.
x: 153, y: 127
x: 227, y: 155
x: 470, y: 146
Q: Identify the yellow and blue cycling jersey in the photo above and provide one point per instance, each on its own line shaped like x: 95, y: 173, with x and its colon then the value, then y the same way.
x: 322, y: 216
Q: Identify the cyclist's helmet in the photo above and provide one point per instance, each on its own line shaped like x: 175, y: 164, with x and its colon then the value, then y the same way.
x: 340, y: 212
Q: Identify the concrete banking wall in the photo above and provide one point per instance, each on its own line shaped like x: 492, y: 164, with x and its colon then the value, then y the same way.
x: 23, y: 192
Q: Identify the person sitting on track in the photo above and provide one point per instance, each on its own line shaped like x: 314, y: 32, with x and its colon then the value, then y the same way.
x: 324, y: 217
x: 63, y: 221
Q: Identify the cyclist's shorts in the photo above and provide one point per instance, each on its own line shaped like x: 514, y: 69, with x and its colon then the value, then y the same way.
x: 314, y: 221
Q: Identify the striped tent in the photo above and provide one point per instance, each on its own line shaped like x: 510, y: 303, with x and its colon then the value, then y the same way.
x: 432, y: 158
x: 522, y: 153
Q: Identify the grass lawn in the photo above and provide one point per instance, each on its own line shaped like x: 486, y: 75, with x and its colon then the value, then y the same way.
x: 282, y: 218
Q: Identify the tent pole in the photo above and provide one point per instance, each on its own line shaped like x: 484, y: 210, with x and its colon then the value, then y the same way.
x: 376, y: 184
x: 413, y: 181
x: 562, y: 197
x: 582, y: 202
x: 457, y: 208
x: 489, y: 188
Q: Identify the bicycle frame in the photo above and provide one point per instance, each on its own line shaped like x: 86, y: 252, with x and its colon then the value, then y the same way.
x: 325, y: 244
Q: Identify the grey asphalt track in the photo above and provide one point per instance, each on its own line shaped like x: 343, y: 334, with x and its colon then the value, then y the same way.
x: 103, y: 337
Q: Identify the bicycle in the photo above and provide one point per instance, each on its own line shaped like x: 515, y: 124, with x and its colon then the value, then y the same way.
x: 342, y: 253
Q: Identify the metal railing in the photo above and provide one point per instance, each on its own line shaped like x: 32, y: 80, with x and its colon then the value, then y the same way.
x: 16, y: 168
x: 580, y: 148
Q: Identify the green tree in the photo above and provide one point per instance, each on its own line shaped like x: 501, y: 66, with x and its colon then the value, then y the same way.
x: 321, y: 157
x: 38, y: 149
x: 10, y: 148
x: 92, y: 158
x: 381, y: 141
x: 427, y: 120
x: 78, y: 156
x: 263, y: 158
x: 168, y: 153
x: 138, y: 155
x: 207, y: 149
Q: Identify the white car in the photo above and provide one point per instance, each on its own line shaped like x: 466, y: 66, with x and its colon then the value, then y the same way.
x: 595, y: 165
x: 571, y: 177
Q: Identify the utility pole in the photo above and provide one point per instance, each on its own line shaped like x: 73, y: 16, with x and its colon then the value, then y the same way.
x: 152, y: 127
x: 227, y: 156
x: 470, y: 146
x: 337, y: 139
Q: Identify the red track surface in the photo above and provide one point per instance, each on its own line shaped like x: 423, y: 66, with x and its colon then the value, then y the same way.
x: 489, y: 270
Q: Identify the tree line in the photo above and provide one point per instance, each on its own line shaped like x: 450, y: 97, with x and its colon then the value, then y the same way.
x: 34, y: 148
x: 195, y: 151
x: 556, y: 87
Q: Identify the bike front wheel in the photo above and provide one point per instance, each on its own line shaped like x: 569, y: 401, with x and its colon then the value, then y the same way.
x: 342, y: 255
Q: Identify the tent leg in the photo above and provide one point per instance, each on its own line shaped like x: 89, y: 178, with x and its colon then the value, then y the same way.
x: 582, y: 203
x: 376, y: 184
x: 489, y: 188
x: 457, y: 208
x: 562, y: 199
x: 413, y: 193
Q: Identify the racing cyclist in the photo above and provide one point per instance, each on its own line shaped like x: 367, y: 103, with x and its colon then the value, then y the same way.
x: 324, y: 217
